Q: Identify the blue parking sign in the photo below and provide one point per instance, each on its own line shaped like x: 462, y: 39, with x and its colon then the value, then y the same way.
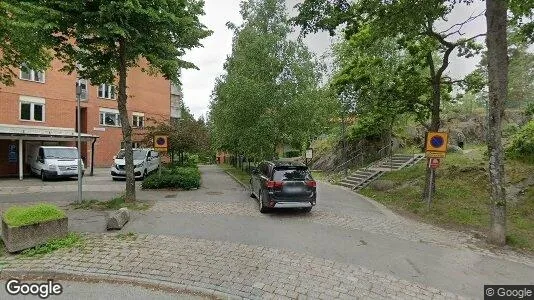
x: 12, y: 154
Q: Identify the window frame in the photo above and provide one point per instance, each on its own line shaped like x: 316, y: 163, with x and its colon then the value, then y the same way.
x: 138, y: 116
x: 102, y: 121
x: 31, y: 75
x: 32, y: 101
x: 78, y: 80
x: 107, y: 88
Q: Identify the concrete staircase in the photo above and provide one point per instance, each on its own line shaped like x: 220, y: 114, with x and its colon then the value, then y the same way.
x: 364, y: 176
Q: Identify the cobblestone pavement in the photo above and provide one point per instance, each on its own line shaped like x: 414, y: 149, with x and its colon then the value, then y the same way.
x: 231, y: 268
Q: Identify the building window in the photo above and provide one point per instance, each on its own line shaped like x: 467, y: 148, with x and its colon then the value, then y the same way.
x: 32, y: 109
x: 106, y: 91
x: 31, y: 75
x: 81, y: 87
x: 109, y: 118
x: 138, y: 120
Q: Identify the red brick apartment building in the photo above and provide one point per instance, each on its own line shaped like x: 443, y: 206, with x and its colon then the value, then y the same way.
x: 40, y: 109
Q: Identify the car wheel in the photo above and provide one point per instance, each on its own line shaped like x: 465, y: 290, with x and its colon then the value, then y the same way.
x: 252, y: 190
x: 114, y: 179
x: 263, y: 208
x: 43, y: 176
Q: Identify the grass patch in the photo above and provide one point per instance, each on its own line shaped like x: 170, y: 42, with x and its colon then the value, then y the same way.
x: 17, y: 216
x: 462, y: 198
x: 243, y: 176
x: 71, y: 240
x: 113, y: 204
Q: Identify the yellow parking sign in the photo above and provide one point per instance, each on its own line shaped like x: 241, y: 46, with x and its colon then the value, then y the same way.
x: 436, y: 142
x: 161, y: 143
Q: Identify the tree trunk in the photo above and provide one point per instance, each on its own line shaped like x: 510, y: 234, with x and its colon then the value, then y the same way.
x: 434, y: 126
x: 125, y: 121
x: 496, y: 41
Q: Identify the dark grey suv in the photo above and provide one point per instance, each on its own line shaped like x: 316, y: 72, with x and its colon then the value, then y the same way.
x: 281, y: 184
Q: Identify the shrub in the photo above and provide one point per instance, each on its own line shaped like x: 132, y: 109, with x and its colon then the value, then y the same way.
x: 176, y: 178
x: 522, y: 144
x: 292, y: 153
x: 16, y: 216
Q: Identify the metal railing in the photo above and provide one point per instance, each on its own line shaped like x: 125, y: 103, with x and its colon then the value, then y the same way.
x: 361, y: 160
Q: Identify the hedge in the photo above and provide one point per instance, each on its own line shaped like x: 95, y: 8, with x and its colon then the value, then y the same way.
x: 174, y: 178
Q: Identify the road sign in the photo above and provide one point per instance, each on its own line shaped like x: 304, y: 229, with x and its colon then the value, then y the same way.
x: 161, y: 143
x: 437, y: 141
x: 431, y: 154
x: 436, y: 144
x: 433, y: 163
x: 309, y: 153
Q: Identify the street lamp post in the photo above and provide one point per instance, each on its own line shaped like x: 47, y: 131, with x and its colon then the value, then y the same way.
x: 78, y: 128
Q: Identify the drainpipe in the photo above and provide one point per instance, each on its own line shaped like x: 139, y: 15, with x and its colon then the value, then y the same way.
x: 21, y: 165
x: 93, y: 156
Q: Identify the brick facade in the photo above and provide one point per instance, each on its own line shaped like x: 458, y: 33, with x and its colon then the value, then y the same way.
x: 148, y: 95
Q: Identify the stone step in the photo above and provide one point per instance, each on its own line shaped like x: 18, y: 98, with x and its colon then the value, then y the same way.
x: 352, y: 181
x: 347, y: 185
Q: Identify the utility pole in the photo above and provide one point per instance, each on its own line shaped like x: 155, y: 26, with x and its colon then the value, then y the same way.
x: 78, y: 125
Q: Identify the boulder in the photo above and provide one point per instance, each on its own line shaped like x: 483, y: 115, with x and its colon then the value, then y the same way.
x: 117, y: 219
x: 454, y: 149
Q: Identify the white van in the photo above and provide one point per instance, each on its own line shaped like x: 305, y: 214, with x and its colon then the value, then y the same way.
x: 54, y: 162
x: 146, y: 161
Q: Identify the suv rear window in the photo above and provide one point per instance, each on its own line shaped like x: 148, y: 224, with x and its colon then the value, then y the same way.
x: 292, y: 174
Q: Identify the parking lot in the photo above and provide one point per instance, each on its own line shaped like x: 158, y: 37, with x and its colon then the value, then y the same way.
x: 26, y: 189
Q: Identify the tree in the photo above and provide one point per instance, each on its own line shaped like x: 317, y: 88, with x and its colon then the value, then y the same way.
x: 185, y: 134
x: 497, y: 44
x: 414, y: 29
x: 384, y: 83
x: 269, y: 94
x: 108, y: 38
x: 25, y: 38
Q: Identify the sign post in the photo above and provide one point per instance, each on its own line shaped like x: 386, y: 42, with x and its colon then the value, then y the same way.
x: 161, y: 144
x: 309, y: 154
x: 79, y: 142
x: 435, y: 149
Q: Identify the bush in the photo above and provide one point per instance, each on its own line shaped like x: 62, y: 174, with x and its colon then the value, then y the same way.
x: 292, y: 153
x: 16, y: 216
x: 522, y: 144
x: 174, y: 178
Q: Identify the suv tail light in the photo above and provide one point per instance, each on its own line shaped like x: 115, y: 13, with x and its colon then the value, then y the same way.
x: 311, y: 183
x: 274, y: 184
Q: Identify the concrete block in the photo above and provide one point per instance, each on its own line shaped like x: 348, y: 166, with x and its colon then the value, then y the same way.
x: 28, y: 236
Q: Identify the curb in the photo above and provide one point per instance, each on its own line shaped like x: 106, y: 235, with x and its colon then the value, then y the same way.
x: 235, y: 178
x: 161, y: 285
x: 382, y: 208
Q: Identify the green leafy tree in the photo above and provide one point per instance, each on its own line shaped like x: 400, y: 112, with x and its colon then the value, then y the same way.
x: 108, y: 38
x: 269, y: 94
x: 415, y: 31
x: 186, y: 135
x: 384, y: 84
x: 25, y: 38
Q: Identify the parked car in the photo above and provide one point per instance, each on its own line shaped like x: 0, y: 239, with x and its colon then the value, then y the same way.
x: 146, y: 161
x: 54, y: 162
x: 283, y: 184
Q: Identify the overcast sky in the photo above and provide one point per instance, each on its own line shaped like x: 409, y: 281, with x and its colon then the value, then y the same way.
x: 198, y: 84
